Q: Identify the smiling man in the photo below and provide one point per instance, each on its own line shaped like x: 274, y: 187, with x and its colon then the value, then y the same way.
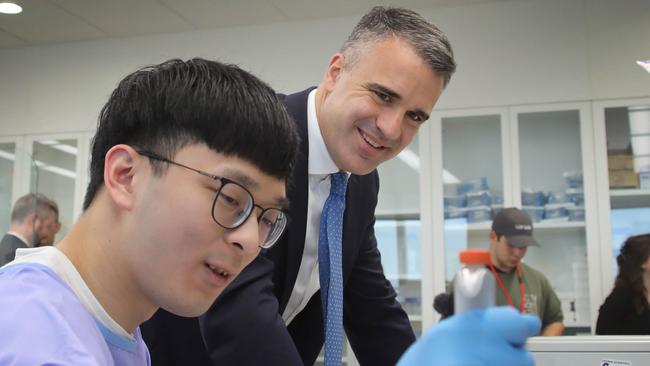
x: 187, y: 184
x: 376, y: 93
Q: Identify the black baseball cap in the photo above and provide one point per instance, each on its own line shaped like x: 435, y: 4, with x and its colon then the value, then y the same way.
x: 516, y: 226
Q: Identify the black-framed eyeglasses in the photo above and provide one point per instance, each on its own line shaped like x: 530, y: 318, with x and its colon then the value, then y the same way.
x: 233, y: 204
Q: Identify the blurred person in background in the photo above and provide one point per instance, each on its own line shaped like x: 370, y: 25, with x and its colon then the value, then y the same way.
x: 626, y: 311
x: 34, y: 222
x: 518, y: 284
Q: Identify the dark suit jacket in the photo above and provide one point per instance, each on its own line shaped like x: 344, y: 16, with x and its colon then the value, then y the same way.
x: 8, y: 247
x: 245, y: 327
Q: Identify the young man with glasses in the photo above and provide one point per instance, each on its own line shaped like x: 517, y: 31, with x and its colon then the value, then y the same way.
x: 187, y: 184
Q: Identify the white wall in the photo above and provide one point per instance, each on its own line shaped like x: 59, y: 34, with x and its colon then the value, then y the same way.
x: 508, y: 53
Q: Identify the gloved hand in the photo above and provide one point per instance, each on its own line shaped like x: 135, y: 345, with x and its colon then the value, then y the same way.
x: 483, y: 337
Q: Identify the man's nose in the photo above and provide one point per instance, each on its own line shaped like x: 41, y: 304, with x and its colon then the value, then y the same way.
x: 247, y: 235
x: 390, y: 123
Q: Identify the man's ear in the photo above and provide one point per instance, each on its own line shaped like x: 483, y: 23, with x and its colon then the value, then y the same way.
x: 493, y: 237
x: 120, y: 166
x: 334, y: 70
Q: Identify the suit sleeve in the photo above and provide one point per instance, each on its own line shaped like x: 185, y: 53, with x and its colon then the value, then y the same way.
x: 244, y: 327
x: 377, y: 327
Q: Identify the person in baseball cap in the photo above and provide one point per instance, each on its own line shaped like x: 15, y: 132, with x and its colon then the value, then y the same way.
x: 518, y: 284
x: 516, y: 226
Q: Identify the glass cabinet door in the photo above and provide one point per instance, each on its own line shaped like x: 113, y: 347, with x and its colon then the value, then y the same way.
x: 397, y: 229
x: 7, y: 164
x: 473, y: 183
x: 552, y: 193
x: 54, y: 173
x: 625, y: 131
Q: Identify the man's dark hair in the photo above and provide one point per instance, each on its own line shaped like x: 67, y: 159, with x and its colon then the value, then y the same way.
x: 381, y: 22
x: 163, y: 108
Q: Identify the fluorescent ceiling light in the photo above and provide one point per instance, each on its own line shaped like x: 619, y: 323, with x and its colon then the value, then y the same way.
x: 41, y: 165
x: 56, y: 170
x: 645, y: 64
x: 7, y: 155
x: 55, y: 144
x: 412, y: 160
x: 449, y: 178
x: 10, y: 8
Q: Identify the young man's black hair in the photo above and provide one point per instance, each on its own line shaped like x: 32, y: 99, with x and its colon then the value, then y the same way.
x: 163, y: 108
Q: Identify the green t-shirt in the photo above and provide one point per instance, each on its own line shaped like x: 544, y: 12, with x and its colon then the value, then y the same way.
x: 539, y: 297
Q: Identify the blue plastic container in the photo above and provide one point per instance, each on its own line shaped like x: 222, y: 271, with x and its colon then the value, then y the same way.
x: 479, y: 214
x: 536, y: 213
x: 530, y: 197
x: 475, y: 199
x: 576, y: 195
x: 455, y: 213
x: 454, y: 201
x: 473, y: 185
x: 576, y: 213
x: 557, y: 211
x: 573, y: 179
x: 557, y: 197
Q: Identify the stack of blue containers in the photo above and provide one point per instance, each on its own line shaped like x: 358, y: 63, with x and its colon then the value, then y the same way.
x: 567, y: 205
x: 471, y: 199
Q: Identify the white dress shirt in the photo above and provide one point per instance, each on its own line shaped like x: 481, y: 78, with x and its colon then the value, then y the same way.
x: 320, y: 166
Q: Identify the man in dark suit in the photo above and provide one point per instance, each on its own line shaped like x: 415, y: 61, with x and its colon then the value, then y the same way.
x: 34, y: 221
x: 376, y: 93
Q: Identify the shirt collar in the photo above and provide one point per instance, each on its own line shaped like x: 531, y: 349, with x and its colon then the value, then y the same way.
x: 320, y: 161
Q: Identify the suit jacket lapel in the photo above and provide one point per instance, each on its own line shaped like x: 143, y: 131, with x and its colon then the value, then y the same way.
x: 298, y: 195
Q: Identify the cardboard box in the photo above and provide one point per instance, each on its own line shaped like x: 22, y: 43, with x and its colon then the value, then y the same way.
x: 620, y: 162
x: 623, y: 179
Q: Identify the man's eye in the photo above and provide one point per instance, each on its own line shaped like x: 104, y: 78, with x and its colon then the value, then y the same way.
x: 267, y: 222
x: 228, y: 200
x: 415, y: 117
x: 383, y: 96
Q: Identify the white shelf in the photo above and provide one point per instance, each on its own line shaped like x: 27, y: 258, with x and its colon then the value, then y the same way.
x: 629, y: 192
x: 558, y: 225
x: 415, y: 318
x: 542, y: 225
x: 629, y: 198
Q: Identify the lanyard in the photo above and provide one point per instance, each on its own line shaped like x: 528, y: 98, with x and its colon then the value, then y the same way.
x: 503, y: 288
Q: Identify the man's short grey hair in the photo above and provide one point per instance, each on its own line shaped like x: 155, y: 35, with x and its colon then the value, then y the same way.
x: 31, y: 202
x: 383, y: 22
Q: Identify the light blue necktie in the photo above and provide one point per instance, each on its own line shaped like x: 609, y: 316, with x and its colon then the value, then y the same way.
x: 330, y: 268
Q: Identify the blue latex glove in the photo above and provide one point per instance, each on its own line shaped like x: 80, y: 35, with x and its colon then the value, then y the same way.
x: 492, y: 336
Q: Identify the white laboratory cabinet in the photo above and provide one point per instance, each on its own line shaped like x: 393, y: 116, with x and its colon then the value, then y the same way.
x: 538, y: 157
x: 590, y: 350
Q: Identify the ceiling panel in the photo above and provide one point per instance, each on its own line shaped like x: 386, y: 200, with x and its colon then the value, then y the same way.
x: 314, y: 9
x: 8, y: 40
x: 126, y: 17
x: 43, y: 22
x: 215, y: 13
x: 53, y: 21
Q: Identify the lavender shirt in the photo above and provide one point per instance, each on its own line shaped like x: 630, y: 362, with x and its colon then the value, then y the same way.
x: 42, y: 322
